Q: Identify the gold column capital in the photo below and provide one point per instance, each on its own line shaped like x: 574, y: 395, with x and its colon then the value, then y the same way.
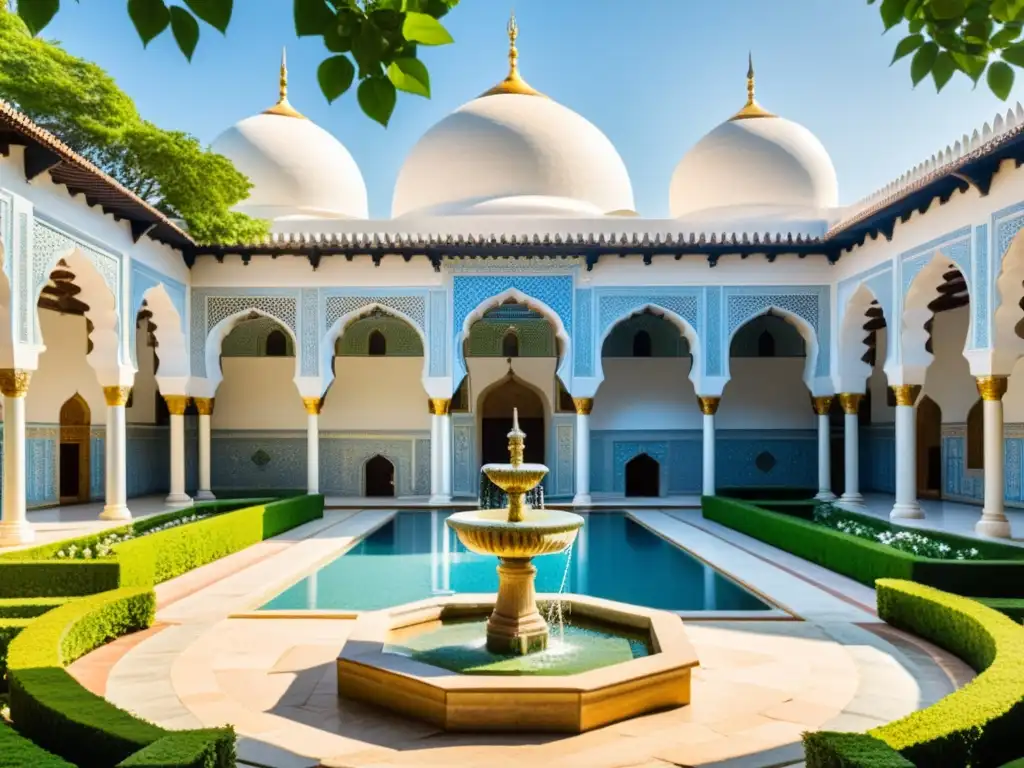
x: 440, y: 406
x: 313, y: 405
x: 850, y: 402
x: 14, y: 382
x: 906, y: 394
x: 708, y: 404
x: 584, y: 405
x: 116, y: 395
x: 822, y: 404
x: 177, y: 404
x: 204, y: 405
x: 992, y: 387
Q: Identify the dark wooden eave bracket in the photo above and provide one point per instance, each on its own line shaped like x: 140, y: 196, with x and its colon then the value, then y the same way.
x: 39, y: 160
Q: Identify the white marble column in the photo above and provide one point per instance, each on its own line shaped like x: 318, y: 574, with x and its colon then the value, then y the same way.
x: 822, y: 405
x: 851, y: 451
x: 312, y: 406
x: 708, y: 407
x: 584, y: 405
x: 14, y: 526
x: 993, y: 520
x: 906, y: 506
x: 176, y: 405
x: 116, y: 469
x: 205, y: 407
x: 439, y: 407
x: 446, y: 452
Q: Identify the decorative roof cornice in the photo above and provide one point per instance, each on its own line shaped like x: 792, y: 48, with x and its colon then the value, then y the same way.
x: 45, y: 152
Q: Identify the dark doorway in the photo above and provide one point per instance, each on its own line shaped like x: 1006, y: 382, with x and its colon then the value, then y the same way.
x: 643, y: 476
x: 380, y: 477
x: 496, y: 422
x: 70, y: 480
x: 74, y: 450
x: 929, y: 449
x: 277, y: 344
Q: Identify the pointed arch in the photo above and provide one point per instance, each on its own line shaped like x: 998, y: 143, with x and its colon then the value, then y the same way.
x: 219, y: 332
x: 915, y: 318
x: 802, y: 327
x: 514, y: 295
x: 169, y: 333
x: 337, y: 329
x: 1008, y: 319
x: 854, y: 339
x: 74, y: 446
x: 686, y: 330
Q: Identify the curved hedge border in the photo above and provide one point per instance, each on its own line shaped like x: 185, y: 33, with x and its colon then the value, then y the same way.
x: 59, y: 715
x: 18, y: 752
x: 980, y: 724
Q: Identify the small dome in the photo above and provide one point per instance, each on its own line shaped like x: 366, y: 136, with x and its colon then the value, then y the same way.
x: 295, y: 166
x: 754, y: 159
x: 513, y: 151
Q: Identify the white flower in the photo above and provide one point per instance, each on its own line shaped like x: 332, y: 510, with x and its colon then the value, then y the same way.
x: 60, y: 553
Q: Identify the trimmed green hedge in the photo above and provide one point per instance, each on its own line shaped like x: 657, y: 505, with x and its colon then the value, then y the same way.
x: 979, y: 725
x: 830, y: 749
x: 866, y: 561
x: 750, y: 493
x: 18, y: 752
x: 209, y: 748
x: 29, y: 607
x: 1008, y: 606
x: 155, y: 558
x: 9, y: 629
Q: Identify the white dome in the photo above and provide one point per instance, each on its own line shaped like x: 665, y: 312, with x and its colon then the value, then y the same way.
x: 755, y: 159
x: 295, y: 166
x: 513, y: 154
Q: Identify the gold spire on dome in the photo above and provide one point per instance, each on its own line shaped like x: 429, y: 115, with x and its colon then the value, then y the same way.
x: 513, y: 82
x: 283, y: 108
x: 751, y: 109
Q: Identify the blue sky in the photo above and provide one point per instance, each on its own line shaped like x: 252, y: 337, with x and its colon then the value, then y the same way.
x: 654, y: 78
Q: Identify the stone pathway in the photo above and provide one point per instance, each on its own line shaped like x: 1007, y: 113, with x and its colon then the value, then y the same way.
x: 761, y: 683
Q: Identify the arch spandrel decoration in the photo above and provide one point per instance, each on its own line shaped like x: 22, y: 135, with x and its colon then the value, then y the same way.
x: 956, y: 247
x: 412, y: 307
x: 440, y: 365
x: 142, y: 280
x: 583, y: 351
x: 310, y: 300
x: 981, y: 320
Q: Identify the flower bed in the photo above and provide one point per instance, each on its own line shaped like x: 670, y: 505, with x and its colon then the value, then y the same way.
x: 105, y: 546
x: 918, y: 543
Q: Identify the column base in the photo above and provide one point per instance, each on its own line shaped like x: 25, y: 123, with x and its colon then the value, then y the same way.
x: 440, y: 499
x: 204, y: 495
x: 825, y: 496
x: 581, y: 500
x: 178, y: 500
x: 995, y: 525
x: 853, y: 499
x: 116, y: 512
x: 908, y: 511
x: 13, y: 534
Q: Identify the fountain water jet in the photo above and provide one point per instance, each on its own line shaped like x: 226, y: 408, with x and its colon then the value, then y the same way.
x: 516, y: 535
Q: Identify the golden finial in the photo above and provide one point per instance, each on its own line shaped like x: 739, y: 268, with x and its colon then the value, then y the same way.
x: 513, y: 82
x: 283, y: 108
x: 516, y: 440
x: 751, y: 109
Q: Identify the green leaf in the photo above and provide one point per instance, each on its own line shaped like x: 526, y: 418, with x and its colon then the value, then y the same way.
x: 972, y: 66
x: 915, y: 26
x: 426, y: 30
x: 922, y: 62
x: 1006, y: 35
x: 150, y: 18
x: 892, y: 12
x: 37, y: 13
x: 216, y: 13
x: 335, y: 42
x: 1005, y: 11
x: 377, y: 98
x: 367, y: 49
x: 1000, y: 79
x: 1014, y: 55
x: 312, y: 17
x: 335, y: 76
x: 185, y: 29
x: 948, y: 9
x: 942, y: 70
x: 411, y: 76
x: 906, y: 46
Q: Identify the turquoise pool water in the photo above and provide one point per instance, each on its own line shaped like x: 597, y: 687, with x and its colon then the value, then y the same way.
x: 416, y: 556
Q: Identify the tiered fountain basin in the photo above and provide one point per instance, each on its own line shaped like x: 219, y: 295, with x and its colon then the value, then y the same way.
x: 427, y: 660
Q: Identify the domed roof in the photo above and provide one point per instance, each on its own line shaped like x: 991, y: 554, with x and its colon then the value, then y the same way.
x: 513, y: 151
x: 295, y: 166
x: 754, y: 159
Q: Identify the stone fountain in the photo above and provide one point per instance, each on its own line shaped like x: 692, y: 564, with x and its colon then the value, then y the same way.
x: 515, y: 536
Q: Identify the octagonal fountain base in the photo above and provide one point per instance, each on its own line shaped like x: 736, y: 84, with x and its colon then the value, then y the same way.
x: 376, y: 667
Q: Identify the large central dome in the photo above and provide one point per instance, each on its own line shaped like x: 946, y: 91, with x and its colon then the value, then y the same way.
x: 513, y: 151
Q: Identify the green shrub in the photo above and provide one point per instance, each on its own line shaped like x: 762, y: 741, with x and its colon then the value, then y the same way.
x: 50, y: 707
x: 830, y: 749
x: 9, y: 629
x: 18, y: 752
x: 866, y: 561
x: 979, y: 725
x: 29, y: 607
x: 1009, y: 606
x: 210, y: 748
x: 57, y: 578
x: 768, y: 493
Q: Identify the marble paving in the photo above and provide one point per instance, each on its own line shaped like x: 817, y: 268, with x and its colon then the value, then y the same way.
x: 761, y: 683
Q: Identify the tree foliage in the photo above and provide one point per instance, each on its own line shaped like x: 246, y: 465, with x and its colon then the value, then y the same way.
x: 79, y: 103
x: 979, y: 38
x: 373, y: 43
